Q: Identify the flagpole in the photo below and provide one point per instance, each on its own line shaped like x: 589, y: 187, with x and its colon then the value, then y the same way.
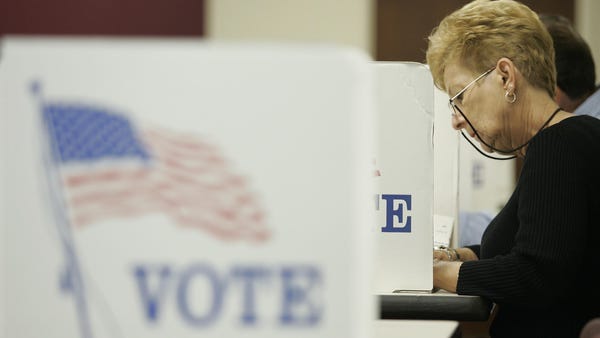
x: 72, y: 278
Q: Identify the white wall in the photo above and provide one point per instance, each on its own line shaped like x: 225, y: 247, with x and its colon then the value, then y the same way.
x: 586, y: 21
x: 329, y: 21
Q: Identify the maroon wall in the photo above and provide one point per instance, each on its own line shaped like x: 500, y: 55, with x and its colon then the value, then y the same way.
x: 402, y: 27
x: 103, y: 17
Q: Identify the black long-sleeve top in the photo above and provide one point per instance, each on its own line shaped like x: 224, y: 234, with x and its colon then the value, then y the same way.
x: 539, y: 259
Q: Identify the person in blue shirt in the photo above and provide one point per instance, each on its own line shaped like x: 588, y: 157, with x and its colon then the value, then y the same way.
x: 591, y: 106
x: 576, y: 90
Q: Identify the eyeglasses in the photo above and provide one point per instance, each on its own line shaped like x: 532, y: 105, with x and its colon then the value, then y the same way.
x: 451, y: 101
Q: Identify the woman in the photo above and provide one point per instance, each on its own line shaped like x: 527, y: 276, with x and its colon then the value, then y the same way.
x: 538, y: 258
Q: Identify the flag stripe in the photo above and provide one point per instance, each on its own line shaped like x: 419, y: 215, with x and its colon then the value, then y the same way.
x: 110, y: 170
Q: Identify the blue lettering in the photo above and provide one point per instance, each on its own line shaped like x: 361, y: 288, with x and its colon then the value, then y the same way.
x: 403, y: 201
x: 299, y: 307
x: 217, y: 288
x: 249, y: 275
x: 151, y: 301
x: 201, y: 291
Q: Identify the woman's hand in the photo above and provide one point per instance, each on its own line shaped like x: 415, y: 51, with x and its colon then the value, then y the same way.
x: 443, y: 254
x: 449, y: 254
x: 445, y: 274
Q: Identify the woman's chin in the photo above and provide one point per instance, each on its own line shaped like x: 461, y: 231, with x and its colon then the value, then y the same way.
x: 485, y: 148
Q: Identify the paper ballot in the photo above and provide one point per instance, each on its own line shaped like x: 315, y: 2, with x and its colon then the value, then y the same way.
x: 442, y: 230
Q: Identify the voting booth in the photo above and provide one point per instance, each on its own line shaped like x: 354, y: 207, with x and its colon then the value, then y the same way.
x: 486, y: 185
x: 404, y: 177
x: 182, y: 189
x: 446, y: 165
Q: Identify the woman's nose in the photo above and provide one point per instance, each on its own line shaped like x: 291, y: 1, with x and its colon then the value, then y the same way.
x: 458, y: 121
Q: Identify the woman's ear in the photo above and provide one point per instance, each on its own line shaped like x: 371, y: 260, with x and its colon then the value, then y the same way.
x: 507, y: 71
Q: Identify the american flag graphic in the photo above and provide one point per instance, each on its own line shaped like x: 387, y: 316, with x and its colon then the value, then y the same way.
x: 110, y: 169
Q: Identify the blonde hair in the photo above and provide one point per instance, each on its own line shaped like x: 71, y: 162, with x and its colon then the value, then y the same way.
x: 483, y: 31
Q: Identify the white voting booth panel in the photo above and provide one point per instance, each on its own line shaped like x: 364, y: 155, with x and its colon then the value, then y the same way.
x: 404, y: 177
x: 182, y: 189
x: 485, y: 186
x: 446, y: 173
